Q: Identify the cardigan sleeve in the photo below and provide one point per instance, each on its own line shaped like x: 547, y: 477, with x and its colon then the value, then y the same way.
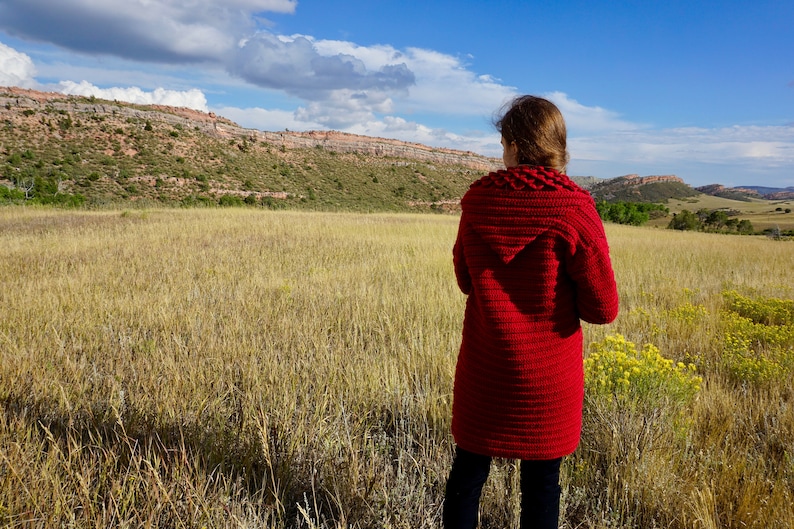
x: 590, y: 268
x: 459, y: 261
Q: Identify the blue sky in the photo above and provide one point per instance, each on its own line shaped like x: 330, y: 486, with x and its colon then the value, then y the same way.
x: 700, y: 89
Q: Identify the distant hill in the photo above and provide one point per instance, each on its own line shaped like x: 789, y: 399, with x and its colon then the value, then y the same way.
x: 717, y: 190
x: 772, y: 193
x: 635, y: 188
x: 746, y: 193
x: 586, y: 182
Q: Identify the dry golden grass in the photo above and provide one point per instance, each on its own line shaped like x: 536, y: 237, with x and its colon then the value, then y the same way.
x: 240, y: 368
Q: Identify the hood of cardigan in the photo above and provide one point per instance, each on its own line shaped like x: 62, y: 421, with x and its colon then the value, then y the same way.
x: 510, y: 208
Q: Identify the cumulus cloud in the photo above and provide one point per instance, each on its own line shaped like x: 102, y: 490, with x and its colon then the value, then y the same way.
x: 344, y: 108
x: 738, y: 154
x: 344, y: 83
x: 771, y: 145
x: 152, y: 30
x: 326, y: 74
x: 265, y: 119
x: 434, y: 73
x: 193, y: 98
x: 296, y: 66
x: 580, y: 118
x: 445, y: 85
x: 16, y: 69
x: 412, y: 131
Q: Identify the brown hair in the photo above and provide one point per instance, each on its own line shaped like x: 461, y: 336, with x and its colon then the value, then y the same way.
x: 538, y: 128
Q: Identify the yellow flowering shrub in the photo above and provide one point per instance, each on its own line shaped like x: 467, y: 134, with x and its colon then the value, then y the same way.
x: 766, y: 311
x: 615, y: 369
x: 688, y: 313
x: 758, y: 338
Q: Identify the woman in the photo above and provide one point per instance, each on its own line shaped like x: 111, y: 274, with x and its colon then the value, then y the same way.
x: 532, y: 257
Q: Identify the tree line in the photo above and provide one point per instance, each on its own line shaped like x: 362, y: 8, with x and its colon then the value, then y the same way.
x: 711, y: 221
x: 638, y: 213
x: 633, y: 213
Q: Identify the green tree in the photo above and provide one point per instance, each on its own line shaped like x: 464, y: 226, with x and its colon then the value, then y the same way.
x: 745, y: 227
x: 716, y: 219
x: 686, y: 220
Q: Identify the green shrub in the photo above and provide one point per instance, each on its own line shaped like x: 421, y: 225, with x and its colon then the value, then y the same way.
x: 197, y: 201
x: 230, y: 201
x: 65, y: 200
x: 685, y: 220
x: 10, y: 195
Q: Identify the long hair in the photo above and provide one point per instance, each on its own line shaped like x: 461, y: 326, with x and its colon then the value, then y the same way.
x: 537, y: 127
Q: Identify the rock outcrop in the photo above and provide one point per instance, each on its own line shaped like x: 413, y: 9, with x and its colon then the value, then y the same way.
x: 218, y: 126
x: 733, y: 193
x: 635, y: 179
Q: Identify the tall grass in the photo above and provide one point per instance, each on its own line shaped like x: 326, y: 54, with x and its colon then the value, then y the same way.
x: 241, y: 368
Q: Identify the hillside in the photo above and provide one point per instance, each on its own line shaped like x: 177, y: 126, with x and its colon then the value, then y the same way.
x: 746, y: 193
x: 111, y: 152
x: 635, y: 188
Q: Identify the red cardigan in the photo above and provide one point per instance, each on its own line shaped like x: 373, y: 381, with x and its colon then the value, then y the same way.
x: 532, y: 257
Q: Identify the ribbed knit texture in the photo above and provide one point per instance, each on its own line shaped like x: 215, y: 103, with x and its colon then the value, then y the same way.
x: 532, y: 256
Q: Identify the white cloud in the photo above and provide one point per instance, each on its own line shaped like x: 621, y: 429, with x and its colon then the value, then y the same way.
x: 326, y: 74
x: 582, y: 119
x: 402, y: 129
x: 346, y: 108
x: 345, y: 84
x: 729, y: 155
x: 435, y: 73
x: 192, y: 98
x: 445, y: 85
x: 269, y: 120
x: 16, y: 68
x: 154, y: 30
x: 772, y: 145
x: 298, y: 66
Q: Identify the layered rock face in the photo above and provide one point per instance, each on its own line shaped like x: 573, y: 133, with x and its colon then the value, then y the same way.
x: 636, y: 179
x: 218, y: 126
x: 344, y: 142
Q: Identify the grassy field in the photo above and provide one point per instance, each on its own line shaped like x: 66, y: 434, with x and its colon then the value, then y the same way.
x: 250, y: 368
x: 762, y: 213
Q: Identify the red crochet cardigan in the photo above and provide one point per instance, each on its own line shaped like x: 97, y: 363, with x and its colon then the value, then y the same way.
x: 532, y: 257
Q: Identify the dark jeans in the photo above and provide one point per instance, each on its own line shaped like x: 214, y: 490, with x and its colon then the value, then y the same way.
x: 540, y: 492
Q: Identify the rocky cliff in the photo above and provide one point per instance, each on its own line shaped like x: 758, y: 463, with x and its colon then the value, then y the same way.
x: 217, y: 126
x: 637, y: 180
